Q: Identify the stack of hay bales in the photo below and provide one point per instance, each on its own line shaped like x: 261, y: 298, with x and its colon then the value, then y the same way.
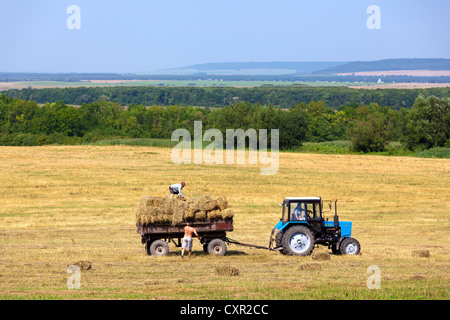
x: 166, y: 210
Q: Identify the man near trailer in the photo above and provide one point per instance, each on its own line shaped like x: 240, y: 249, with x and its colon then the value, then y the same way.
x: 187, y: 239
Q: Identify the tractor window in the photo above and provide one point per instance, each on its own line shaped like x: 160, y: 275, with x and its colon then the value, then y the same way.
x: 313, y: 210
x: 285, y: 215
x: 316, y: 209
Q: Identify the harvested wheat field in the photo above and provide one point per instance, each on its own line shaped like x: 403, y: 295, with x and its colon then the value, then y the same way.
x: 61, y: 205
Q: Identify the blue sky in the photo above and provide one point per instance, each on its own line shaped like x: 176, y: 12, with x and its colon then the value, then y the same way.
x: 144, y: 35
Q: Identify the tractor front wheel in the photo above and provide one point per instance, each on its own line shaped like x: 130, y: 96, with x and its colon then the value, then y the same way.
x: 298, y: 240
x: 350, y: 246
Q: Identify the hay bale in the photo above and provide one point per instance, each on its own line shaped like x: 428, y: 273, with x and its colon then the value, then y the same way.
x: 149, y: 207
x: 175, y: 211
x: 227, y: 271
x: 228, y: 213
x: 189, y: 214
x: 151, y: 201
x: 200, y: 215
x: 222, y: 203
x: 83, y: 265
x: 215, y: 214
x: 207, y: 204
x: 417, y: 277
x: 178, y: 212
x: 420, y: 253
x: 310, y: 266
x: 321, y: 256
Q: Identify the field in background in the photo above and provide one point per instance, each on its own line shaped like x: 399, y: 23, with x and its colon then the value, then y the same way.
x: 64, y: 204
x: 412, y: 73
x: 210, y: 83
x: 394, y: 148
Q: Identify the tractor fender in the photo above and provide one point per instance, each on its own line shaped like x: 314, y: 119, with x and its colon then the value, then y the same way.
x: 284, y: 226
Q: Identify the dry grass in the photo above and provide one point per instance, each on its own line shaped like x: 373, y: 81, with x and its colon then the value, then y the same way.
x: 66, y: 204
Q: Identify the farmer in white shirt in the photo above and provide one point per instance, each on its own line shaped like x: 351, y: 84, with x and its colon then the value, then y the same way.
x: 176, y: 189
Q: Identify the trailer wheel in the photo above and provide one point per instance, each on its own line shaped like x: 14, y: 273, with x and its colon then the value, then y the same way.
x: 159, y: 248
x: 217, y: 247
x: 350, y: 246
x: 298, y: 241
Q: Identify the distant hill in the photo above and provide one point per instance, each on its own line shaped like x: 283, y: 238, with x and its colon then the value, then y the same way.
x: 388, y: 65
x: 304, y: 68
x: 252, y: 68
x: 388, y: 70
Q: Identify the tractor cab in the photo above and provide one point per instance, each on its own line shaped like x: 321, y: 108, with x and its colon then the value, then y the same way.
x: 303, y: 209
x: 303, y: 225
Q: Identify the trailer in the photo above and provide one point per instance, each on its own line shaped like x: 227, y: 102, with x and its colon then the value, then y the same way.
x: 212, y: 234
x: 302, y: 226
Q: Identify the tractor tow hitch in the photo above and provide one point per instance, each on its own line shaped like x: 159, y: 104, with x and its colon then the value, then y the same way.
x: 231, y: 241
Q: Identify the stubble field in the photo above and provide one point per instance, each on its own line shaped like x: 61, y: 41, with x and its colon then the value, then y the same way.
x: 60, y: 205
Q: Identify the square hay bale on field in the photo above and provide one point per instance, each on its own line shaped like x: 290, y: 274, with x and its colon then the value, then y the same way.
x: 227, y: 271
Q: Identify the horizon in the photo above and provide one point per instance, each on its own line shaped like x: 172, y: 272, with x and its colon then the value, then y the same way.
x: 340, y: 63
x: 81, y: 36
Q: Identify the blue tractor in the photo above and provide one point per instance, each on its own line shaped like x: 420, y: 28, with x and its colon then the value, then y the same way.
x: 302, y: 226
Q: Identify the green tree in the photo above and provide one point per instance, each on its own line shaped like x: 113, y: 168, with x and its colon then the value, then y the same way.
x: 292, y: 126
x: 428, y: 123
x: 370, y: 135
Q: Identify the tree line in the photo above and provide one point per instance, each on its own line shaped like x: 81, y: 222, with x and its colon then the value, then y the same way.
x: 368, y: 126
x: 217, y: 97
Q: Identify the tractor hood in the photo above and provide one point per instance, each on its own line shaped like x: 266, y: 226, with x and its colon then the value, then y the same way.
x: 346, y: 227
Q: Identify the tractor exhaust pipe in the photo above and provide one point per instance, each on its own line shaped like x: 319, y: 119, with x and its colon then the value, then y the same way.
x: 336, y: 217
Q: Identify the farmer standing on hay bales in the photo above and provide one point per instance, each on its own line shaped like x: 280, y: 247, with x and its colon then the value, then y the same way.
x: 176, y: 189
x: 187, y: 239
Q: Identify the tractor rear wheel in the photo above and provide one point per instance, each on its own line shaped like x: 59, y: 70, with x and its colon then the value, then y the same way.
x: 350, y: 246
x: 298, y: 240
x: 278, y: 241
